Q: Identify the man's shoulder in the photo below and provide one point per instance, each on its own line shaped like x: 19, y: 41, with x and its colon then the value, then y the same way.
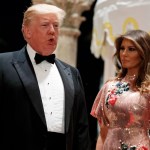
x: 11, y: 52
x: 8, y: 55
x: 65, y: 64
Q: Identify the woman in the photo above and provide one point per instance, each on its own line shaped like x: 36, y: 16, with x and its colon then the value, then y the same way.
x: 122, y: 106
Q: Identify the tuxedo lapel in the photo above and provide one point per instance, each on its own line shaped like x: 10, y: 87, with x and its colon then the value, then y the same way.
x: 26, y: 73
x: 66, y: 75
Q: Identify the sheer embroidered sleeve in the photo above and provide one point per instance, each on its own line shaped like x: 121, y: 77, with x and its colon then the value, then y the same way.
x: 97, y: 110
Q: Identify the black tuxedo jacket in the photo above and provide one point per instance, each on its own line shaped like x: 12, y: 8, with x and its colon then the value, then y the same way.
x: 22, y: 119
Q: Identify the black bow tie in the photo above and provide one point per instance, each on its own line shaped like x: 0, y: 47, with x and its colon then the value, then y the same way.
x: 39, y: 58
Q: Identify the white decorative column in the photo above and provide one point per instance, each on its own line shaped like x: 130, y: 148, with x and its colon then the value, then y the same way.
x: 69, y: 33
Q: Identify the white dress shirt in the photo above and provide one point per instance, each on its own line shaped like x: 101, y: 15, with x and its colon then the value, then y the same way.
x: 52, y: 92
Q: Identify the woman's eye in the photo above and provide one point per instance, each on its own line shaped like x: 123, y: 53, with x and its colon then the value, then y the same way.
x: 122, y: 48
x: 132, y: 48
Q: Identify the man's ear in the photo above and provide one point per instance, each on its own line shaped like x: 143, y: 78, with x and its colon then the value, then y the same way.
x: 26, y: 31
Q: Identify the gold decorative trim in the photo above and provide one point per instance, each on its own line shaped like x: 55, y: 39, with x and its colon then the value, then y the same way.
x: 130, y: 21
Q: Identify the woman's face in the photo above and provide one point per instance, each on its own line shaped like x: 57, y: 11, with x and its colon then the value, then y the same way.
x: 129, y: 56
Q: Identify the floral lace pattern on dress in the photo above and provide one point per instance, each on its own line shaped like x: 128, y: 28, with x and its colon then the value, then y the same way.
x: 127, y: 115
x: 118, y: 89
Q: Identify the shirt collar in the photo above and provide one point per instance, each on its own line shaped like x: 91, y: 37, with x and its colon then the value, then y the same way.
x: 31, y: 53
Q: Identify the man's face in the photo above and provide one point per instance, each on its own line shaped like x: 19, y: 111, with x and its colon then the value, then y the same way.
x: 42, y: 33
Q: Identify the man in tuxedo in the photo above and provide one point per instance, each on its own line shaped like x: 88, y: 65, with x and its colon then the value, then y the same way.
x: 41, y: 98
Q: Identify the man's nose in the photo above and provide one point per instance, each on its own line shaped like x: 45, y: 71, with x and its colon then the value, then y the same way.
x: 51, y: 29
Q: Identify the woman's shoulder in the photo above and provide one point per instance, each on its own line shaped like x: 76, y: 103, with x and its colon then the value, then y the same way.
x: 112, y: 81
x: 107, y: 84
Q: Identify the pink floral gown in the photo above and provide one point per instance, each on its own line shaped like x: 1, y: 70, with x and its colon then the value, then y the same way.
x: 127, y: 115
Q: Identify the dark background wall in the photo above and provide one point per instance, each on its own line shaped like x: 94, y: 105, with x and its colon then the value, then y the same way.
x: 11, y: 13
x: 91, y: 69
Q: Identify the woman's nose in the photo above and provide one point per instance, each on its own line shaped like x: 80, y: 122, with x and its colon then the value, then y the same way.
x: 125, y: 52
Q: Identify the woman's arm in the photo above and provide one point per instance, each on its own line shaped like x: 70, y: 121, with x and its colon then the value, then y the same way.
x: 101, y: 137
x: 99, y: 144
